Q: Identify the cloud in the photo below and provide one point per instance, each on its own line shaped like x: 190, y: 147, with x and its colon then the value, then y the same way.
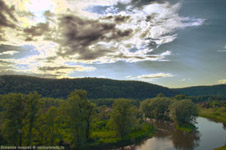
x: 155, y: 76
x: 132, y: 36
x: 5, y: 64
x: 7, y: 17
x: 222, y: 81
x: 185, y: 79
x: 37, y: 30
x: 16, y: 52
x: 6, y: 48
x: 150, y: 77
x: 9, y: 53
x: 15, y: 72
x: 41, y: 38
x: 224, y: 50
x: 62, y: 71
x: 74, y: 68
x: 85, y: 37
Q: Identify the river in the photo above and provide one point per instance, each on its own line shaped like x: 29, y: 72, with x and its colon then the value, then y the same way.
x: 209, y: 135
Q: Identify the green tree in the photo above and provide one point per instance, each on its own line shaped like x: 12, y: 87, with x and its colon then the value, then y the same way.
x: 80, y: 111
x: 183, y: 111
x: 31, y: 101
x: 159, y: 108
x: 51, y: 119
x: 160, y: 95
x: 146, y: 109
x: 179, y: 97
x: 156, y: 108
x: 13, y: 118
x: 122, y: 117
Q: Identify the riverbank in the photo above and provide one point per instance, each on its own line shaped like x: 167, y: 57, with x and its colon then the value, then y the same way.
x: 217, y: 113
x: 221, y: 148
x: 186, y: 127
x: 110, y: 139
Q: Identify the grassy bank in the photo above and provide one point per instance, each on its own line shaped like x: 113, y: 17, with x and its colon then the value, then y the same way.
x: 110, y: 139
x: 186, y: 127
x: 216, y: 113
x: 221, y: 148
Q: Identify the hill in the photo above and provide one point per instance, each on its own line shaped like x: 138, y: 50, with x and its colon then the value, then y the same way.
x: 203, y: 90
x: 96, y: 87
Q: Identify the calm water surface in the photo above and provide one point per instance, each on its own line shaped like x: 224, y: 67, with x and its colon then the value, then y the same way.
x: 208, y: 136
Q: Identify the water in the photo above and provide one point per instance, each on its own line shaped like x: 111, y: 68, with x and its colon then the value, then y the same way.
x: 209, y: 135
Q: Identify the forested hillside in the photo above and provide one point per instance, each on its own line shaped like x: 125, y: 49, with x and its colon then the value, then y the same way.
x: 96, y: 88
x: 214, y: 90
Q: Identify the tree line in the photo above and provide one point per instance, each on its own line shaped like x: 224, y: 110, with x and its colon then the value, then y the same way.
x: 96, y: 87
x: 78, y: 123
x: 177, y: 109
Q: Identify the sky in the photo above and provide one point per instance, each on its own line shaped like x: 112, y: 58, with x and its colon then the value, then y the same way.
x: 173, y: 43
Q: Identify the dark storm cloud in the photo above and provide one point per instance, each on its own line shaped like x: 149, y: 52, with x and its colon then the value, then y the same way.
x: 7, y: 17
x: 81, y: 36
x: 37, y: 30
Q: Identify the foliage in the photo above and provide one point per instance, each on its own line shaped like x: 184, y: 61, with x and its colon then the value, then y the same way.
x: 77, y: 123
x: 122, y: 117
x: 221, y: 148
x: 31, y: 110
x: 80, y: 111
x: 215, y: 90
x: 214, y: 113
x: 13, y: 116
x: 186, y: 127
x: 183, y: 111
x: 160, y: 108
x: 156, y: 108
x: 145, y: 108
x: 96, y: 88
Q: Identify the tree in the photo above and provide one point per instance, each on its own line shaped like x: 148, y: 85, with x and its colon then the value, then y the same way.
x: 13, y: 118
x: 145, y: 108
x: 31, y: 102
x: 122, y: 117
x: 51, y: 117
x: 156, y: 108
x: 183, y: 111
x: 159, y: 108
x: 160, y: 95
x: 80, y: 112
x: 179, y: 97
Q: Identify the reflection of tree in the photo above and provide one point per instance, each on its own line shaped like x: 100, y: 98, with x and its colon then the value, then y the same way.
x: 224, y: 126
x: 164, y: 128
x: 180, y: 139
x: 185, y: 141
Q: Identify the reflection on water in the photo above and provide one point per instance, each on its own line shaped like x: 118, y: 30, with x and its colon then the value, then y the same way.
x: 185, y: 141
x: 173, y: 138
x: 208, y: 136
x: 224, y: 126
